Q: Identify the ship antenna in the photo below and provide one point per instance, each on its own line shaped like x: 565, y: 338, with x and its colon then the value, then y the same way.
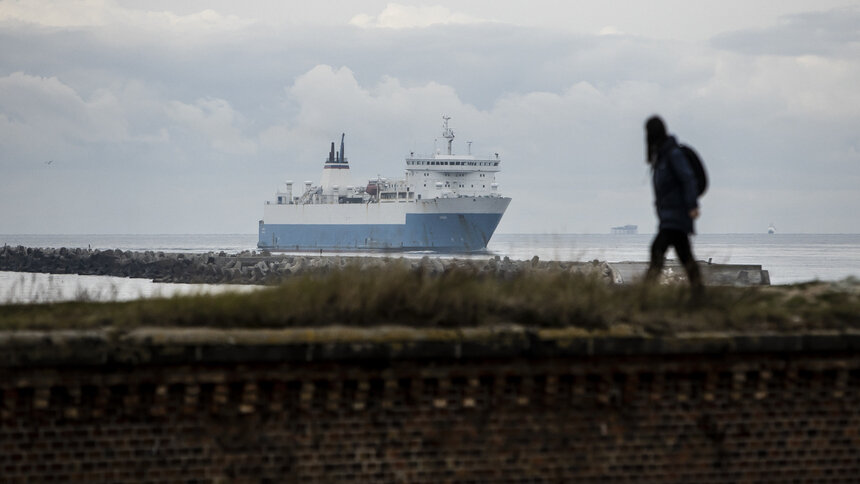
x: 447, y: 132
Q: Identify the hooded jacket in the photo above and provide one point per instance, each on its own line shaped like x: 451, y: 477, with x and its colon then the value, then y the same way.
x: 675, y: 191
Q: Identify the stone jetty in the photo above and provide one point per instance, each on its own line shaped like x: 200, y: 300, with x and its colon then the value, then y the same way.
x: 253, y: 267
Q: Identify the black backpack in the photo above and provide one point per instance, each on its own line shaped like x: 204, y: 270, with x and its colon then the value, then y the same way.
x: 697, y: 167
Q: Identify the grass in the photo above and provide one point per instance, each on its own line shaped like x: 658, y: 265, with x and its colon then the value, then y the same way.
x: 465, y: 298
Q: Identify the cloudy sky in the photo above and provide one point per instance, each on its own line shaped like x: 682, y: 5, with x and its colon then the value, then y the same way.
x: 132, y: 116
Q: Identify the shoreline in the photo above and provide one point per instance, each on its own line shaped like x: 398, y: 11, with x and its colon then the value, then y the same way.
x: 252, y: 267
x: 264, y: 268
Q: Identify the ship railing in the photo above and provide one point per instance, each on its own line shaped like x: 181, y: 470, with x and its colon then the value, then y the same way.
x: 475, y: 165
x: 458, y: 157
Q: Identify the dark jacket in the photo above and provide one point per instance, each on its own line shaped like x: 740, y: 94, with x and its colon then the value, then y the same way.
x: 675, y: 190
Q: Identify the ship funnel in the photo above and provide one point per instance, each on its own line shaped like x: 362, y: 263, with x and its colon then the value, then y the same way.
x: 342, y: 154
x: 331, y: 153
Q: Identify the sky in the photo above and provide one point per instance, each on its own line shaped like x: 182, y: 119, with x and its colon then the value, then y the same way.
x: 127, y: 116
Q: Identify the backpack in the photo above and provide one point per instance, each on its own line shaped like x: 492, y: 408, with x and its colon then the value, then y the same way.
x: 698, y: 169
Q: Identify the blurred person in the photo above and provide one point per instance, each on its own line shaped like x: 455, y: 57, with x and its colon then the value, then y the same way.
x: 676, y: 194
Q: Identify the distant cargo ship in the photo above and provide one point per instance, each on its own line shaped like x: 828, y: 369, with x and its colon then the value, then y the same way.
x: 626, y: 230
x: 446, y: 202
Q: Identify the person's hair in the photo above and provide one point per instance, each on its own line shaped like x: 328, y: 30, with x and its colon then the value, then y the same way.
x: 655, y: 130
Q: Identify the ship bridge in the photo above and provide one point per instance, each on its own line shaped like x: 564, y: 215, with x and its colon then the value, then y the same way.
x: 446, y: 175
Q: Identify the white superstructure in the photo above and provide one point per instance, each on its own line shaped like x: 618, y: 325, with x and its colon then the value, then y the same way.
x: 446, y: 175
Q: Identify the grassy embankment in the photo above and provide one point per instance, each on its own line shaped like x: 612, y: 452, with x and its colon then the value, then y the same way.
x: 463, y: 298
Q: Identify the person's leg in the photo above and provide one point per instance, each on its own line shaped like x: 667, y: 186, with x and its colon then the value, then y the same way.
x: 658, y: 253
x: 681, y: 242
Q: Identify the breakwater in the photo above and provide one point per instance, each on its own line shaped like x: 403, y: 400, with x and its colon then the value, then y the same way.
x: 252, y: 267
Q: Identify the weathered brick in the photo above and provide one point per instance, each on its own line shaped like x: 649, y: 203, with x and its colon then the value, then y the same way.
x: 706, y: 418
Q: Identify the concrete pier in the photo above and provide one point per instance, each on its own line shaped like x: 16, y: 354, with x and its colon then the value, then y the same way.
x: 712, y: 274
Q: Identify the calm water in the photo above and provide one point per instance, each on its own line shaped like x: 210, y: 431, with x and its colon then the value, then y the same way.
x: 789, y: 258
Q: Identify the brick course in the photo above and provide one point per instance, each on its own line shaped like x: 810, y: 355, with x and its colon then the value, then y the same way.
x: 662, y: 417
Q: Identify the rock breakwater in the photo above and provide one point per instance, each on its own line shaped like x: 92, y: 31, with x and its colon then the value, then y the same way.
x: 251, y: 267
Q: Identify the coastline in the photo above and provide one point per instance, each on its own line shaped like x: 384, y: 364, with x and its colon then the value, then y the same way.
x: 252, y: 267
x: 264, y: 268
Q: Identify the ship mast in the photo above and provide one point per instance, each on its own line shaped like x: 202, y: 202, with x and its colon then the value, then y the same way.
x: 447, y: 132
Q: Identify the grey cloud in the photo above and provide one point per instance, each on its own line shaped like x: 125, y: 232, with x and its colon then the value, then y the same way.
x: 834, y: 33
x: 171, y: 131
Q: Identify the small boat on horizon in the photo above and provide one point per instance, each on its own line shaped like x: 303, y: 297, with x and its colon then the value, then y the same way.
x: 771, y: 229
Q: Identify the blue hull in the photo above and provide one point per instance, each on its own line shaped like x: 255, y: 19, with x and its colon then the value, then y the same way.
x: 453, y: 232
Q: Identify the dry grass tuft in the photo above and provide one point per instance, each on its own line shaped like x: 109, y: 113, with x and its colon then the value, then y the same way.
x: 465, y: 298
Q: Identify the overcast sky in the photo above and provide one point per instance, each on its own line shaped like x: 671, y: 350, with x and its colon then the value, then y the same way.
x: 148, y: 117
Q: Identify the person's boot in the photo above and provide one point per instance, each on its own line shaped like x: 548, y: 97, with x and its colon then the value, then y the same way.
x: 697, y: 288
x: 655, y: 270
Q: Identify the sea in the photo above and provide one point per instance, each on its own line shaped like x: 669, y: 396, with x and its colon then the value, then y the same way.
x: 789, y: 258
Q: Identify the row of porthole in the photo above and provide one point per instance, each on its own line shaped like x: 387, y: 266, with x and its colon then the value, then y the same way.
x: 461, y: 186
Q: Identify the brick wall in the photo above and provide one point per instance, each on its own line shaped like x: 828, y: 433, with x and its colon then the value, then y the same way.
x: 711, y: 417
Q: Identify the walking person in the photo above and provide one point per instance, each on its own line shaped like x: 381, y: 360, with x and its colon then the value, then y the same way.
x: 675, y: 198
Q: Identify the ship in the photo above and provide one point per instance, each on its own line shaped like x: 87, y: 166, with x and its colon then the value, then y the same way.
x: 446, y: 202
x: 625, y: 230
